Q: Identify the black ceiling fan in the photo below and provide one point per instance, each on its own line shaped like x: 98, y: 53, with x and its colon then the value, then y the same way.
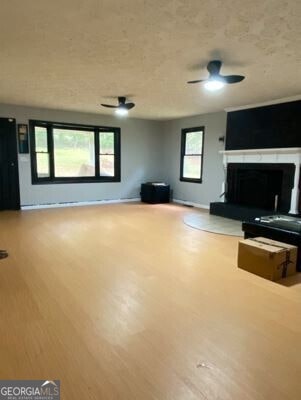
x: 213, y: 68
x: 122, y: 105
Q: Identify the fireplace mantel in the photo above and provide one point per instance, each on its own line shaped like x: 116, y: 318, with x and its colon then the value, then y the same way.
x: 279, y: 155
x: 290, y: 155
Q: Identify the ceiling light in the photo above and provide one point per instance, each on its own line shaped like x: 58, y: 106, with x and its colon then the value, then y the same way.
x: 121, y: 111
x: 214, y: 84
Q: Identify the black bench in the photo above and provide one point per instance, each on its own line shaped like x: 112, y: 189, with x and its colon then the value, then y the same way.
x: 277, y: 227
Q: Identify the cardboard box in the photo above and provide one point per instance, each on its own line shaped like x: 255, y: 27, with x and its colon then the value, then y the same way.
x: 267, y: 258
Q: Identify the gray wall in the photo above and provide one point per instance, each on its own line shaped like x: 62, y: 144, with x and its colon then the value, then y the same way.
x: 141, y: 155
x: 150, y: 150
x: 210, y: 189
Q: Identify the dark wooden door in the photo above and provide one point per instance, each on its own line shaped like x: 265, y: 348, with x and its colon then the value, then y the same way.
x: 9, y: 177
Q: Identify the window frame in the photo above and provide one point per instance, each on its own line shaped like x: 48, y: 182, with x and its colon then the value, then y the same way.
x: 183, y: 153
x: 50, y: 125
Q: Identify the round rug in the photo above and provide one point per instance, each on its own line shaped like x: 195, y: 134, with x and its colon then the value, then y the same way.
x: 214, y: 224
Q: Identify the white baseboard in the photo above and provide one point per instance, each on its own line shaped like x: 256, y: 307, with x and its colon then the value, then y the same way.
x: 189, y: 203
x: 77, y: 204
x: 99, y: 202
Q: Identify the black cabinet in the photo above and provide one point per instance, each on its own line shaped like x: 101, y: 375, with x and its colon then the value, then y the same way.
x: 154, y: 193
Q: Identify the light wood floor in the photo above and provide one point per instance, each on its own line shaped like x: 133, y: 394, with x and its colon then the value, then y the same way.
x: 124, y: 301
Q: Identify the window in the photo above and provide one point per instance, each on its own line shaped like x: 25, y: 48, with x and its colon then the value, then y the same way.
x: 68, y: 153
x: 192, y: 154
x: 42, y: 153
x: 106, y: 153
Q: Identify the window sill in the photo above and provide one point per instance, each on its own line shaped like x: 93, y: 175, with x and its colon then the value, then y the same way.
x: 59, y: 181
x: 190, y: 180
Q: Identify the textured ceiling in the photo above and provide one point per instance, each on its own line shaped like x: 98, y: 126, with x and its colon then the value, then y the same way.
x: 75, y: 54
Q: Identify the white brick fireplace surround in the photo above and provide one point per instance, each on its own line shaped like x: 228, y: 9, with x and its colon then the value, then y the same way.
x: 290, y: 155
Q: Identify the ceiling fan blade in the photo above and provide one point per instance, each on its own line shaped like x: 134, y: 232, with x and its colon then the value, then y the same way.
x: 109, y: 106
x: 233, y: 78
x: 200, y: 80
x: 214, y: 67
x: 128, y: 106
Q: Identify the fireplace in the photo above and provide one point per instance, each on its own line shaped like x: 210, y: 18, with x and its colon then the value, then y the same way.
x: 259, y: 182
x: 259, y: 185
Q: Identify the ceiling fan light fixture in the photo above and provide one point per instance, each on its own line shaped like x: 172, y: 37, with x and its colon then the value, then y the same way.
x: 121, y: 111
x: 214, y: 84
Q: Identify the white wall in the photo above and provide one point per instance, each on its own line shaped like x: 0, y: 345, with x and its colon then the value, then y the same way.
x: 210, y: 188
x: 141, y: 155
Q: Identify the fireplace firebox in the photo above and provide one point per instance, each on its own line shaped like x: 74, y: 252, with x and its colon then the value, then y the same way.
x: 264, y: 186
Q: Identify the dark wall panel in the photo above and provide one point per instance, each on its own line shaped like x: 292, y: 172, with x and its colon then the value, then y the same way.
x: 272, y: 126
